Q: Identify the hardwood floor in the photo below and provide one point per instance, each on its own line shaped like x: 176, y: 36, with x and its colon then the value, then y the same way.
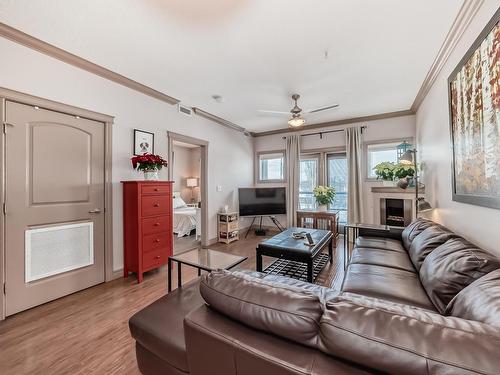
x: 87, y: 332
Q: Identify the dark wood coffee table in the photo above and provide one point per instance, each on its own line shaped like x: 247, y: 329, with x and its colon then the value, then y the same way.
x: 284, y: 246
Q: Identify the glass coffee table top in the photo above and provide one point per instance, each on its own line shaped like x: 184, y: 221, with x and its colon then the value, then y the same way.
x: 208, y: 259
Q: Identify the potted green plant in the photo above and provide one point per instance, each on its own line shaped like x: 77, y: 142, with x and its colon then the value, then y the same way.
x: 149, y: 164
x: 385, y: 171
x: 324, y: 195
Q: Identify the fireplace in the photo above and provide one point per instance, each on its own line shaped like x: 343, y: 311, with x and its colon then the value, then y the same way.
x: 395, y: 212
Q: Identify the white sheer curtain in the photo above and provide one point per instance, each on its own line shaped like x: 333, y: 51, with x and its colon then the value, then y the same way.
x: 354, y: 150
x: 293, y: 178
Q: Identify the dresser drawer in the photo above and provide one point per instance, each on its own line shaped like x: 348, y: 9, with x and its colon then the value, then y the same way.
x: 156, y: 241
x: 151, y: 189
x: 156, y: 224
x: 155, y: 205
x: 154, y: 259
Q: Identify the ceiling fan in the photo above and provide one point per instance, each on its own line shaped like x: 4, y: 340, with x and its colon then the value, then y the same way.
x: 297, y: 120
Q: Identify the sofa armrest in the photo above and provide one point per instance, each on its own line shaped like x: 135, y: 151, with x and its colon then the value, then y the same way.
x: 400, y: 339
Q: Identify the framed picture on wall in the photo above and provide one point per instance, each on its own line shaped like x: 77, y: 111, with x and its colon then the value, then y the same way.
x: 144, y: 142
x: 474, y: 104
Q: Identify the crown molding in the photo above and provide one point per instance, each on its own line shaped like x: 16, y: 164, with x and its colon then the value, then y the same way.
x: 220, y: 120
x: 36, y: 44
x: 380, y: 116
x: 464, y: 17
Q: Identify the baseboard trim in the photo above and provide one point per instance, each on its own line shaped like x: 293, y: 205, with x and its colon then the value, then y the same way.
x: 116, y: 274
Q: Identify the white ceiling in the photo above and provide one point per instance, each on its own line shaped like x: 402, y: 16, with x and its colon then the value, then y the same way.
x: 254, y: 53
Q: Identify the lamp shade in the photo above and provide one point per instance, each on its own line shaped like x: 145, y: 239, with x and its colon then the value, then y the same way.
x: 407, y: 157
x: 191, y: 182
x: 296, y: 121
x: 423, y: 205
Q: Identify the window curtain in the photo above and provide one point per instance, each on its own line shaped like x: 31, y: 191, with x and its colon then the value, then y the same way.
x: 354, y: 150
x: 293, y: 178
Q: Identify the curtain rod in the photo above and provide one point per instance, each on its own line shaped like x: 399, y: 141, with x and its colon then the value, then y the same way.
x: 326, y: 132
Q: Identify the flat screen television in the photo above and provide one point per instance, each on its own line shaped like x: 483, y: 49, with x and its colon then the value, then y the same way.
x: 262, y: 201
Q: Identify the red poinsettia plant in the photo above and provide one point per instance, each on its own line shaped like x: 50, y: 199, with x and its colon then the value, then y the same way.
x: 148, y: 162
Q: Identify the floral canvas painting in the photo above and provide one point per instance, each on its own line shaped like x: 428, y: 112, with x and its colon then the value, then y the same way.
x: 475, y: 122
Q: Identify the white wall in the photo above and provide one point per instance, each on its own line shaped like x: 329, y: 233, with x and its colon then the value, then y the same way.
x: 377, y: 130
x: 186, y: 164
x: 230, y: 159
x: 479, y: 224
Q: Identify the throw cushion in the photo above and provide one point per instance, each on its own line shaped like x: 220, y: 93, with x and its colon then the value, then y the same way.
x: 479, y: 301
x: 275, y: 304
x: 423, y: 244
x: 451, y: 267
x: 416, y: 227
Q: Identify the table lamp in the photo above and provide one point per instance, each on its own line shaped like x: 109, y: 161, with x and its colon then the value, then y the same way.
x: 192, y: 182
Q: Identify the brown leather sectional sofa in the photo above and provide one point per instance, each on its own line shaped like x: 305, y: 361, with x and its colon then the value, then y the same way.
x: 424, y: 302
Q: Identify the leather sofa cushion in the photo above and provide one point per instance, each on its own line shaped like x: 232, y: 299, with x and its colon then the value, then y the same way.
x: 451, y: 267
x: 479, y: 301
x: 380, y: 243
x: 386, y: 283
x: 399, y: 339
x: 416, y: 227
x: 221, y: 346
x: 279, y: 305
x: 382, y: 257
x: 423, y: 244
x: 159, y: 326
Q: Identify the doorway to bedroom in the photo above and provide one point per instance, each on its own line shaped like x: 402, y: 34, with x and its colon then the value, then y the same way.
x: 187, y: 169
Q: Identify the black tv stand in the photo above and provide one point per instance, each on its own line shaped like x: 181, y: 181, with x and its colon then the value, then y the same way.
x: 261, y: 231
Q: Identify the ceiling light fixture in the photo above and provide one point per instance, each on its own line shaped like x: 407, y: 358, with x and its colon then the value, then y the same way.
x: 296, y: 121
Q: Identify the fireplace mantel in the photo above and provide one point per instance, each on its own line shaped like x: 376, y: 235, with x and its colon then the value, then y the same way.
x: 395, y: 190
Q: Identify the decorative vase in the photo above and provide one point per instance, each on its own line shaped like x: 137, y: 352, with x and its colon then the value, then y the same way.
x: 151, y: 175
x: 322, y: 207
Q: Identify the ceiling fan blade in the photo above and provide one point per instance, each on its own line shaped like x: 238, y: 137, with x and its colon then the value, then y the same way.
x: 274, y: 112
x: 321, y: 109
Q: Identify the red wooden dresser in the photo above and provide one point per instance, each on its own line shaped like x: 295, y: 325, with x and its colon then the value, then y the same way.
x: 147, y: 225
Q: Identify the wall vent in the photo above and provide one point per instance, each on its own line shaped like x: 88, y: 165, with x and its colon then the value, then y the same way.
x: 188, y: 111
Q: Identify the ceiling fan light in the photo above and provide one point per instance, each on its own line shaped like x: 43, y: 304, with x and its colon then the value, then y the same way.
x: 295, y: 122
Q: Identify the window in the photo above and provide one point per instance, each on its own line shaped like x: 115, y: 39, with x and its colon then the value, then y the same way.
x: 378, y: 153
x: 337, y: 178
x: 308, y: 181
x: 271, y: 166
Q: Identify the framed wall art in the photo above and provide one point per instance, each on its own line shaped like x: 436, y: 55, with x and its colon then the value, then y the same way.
x: 144, y: 142
x: 474, y: 104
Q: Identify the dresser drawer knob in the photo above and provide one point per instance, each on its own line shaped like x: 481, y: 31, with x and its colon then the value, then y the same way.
x: 157, y: 257
x: 157, y: 224
x: 156, y: 189
x: 156, y: 205
x: 157, y: 240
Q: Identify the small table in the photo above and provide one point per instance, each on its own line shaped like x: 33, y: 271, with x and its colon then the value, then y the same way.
x: 202, y: 259
x: 328, y: 220
x: 284, y: 246
x: 356, y: 227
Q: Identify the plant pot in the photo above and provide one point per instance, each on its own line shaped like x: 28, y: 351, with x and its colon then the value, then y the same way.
x: 151, y: 175
x: 388, y: 183
x: 322, y: 207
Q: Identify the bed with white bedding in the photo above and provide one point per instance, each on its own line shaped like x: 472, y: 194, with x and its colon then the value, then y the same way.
x: 185, y: 218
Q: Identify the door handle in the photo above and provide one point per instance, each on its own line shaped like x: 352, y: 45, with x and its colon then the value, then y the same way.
x: 95, y: 211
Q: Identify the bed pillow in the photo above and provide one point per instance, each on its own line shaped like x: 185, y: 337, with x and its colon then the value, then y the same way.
x: 179, y: 203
